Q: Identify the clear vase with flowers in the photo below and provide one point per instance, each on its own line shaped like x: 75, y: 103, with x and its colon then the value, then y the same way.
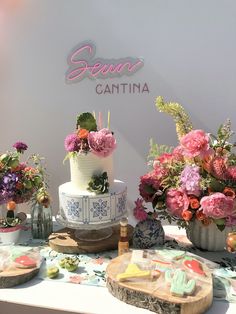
x: 20, y: 182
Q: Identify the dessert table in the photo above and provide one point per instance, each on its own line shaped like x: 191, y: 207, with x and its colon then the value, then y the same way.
x: 51, y: 297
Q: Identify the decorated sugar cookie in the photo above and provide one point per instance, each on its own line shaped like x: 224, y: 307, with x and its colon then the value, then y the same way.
x: 132, y: 272
x: 24, y: 261
x: 180, y: 285
x: 171, y: 255
x: 194, y: 265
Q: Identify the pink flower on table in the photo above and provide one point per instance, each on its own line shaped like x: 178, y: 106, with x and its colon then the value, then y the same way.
x: 76, y: 279
x: 98, y: 261
x: 217, y: 205
x: 102, y: 143
x: 196, y: 143
x: 139, y: 210
x: 176, y: 201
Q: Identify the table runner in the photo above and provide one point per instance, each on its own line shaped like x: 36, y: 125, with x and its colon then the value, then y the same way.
x: 92, y: 267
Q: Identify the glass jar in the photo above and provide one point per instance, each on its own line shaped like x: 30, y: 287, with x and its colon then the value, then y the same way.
x: 41, y: 221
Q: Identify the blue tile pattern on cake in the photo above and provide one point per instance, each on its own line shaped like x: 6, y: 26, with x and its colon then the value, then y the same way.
x: 73, y: 209
x: 121, y: 204
x: 99, y: 209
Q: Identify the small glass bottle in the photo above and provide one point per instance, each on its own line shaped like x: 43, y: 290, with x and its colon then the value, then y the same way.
x: 41, y: 221
x: 123, y: 244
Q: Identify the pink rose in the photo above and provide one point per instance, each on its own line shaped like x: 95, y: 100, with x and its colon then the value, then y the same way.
x: 217, y: 205
x: 196, y: 143
x: 176, y: 201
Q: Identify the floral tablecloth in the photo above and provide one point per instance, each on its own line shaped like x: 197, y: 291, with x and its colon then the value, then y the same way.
x: 92, y: 267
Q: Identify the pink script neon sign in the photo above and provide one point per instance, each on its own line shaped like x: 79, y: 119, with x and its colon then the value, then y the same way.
x: 82, y: 64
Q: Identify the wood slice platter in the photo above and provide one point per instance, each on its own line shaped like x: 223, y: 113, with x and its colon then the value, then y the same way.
x: 17, y: 276
x: 65, y: 241
x: 154, y: 292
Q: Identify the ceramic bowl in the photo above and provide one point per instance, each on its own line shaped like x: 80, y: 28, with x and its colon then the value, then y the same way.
x: 10, y: 235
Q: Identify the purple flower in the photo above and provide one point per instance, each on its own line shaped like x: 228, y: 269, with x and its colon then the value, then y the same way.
x: 190, y: 180
x: 72, y: 143
x: 20, y: 147
x: 102, y: 143
x: 8, y: 187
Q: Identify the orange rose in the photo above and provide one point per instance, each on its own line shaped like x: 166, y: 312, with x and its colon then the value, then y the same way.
x: 229, y: 192
x: 83, y: 133
x: 187, y: 215
x: 11, y: 205
x: 200, y: 215
x: 194, y: 203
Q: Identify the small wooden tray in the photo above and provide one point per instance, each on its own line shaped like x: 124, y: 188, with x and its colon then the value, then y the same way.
x: 64, y: 241
x: 17, y: 276
x: 151, y: 295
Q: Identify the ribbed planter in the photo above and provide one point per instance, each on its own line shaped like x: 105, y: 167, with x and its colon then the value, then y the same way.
x: 208, y: 238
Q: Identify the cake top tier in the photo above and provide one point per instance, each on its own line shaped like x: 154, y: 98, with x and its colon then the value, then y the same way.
x: 90, y: 136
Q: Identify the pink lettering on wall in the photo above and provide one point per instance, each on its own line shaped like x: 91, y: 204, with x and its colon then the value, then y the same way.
x: 82, y: 64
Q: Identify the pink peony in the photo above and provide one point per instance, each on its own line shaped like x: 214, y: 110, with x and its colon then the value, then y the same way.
x: 176, y: 201
x: 196, y: 143
x: 217, y: 205
x: 139, y: 210
x: 102, y: 143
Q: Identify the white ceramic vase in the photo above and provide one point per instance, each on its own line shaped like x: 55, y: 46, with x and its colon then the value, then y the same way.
x: 208, y: 238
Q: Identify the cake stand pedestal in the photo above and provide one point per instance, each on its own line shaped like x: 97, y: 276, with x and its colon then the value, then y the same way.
x: 77, y: 239
x: 65, y: 241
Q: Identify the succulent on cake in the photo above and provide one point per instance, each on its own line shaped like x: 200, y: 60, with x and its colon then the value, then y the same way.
x: 99, y: 183
x: 90, y: 137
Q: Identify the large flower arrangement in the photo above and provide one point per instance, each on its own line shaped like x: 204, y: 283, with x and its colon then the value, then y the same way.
x: 195, y: 180
x: 88, y: 137
x: 22, y: 181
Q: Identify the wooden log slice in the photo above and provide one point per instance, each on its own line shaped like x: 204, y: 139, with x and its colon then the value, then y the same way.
x: 151, y: 294
x: 65, y: 241
x: 14, y: 277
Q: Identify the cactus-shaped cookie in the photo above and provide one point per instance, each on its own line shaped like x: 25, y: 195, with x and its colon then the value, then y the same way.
x: 179, y: 283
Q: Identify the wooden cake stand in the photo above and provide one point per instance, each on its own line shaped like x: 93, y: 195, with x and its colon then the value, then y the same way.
x: 66, y: 241
x: 14, y: 277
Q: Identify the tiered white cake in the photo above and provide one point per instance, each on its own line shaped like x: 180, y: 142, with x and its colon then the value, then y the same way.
x: 81, y: 208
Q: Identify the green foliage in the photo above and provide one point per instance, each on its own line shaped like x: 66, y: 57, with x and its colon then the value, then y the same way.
x: 224, y: 132
x: 157, y: 150
x: 86, y: 121
x: 181, y: 118
x: 99, y: 183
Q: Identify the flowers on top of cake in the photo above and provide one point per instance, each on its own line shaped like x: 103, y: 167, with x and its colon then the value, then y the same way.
x: 89, y: 138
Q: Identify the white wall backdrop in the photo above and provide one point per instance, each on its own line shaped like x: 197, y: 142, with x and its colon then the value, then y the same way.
x: 188, y: 48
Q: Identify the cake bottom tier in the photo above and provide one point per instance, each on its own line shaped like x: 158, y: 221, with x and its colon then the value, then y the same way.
x: 91, y: 211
